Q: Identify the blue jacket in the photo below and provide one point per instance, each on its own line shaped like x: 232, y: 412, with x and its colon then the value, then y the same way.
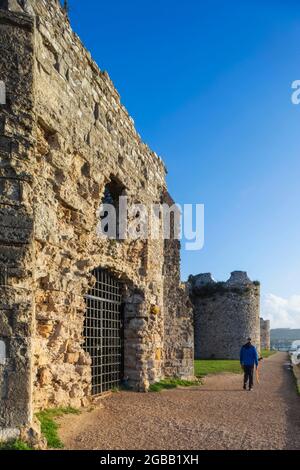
x: 248, y: 355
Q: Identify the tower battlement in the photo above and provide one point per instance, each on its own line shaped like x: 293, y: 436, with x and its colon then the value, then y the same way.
x: 236, y: 278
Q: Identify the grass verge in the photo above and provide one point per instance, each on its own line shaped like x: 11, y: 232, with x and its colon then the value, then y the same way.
x: 216, y: 366
x: 14, y: 445
x: 296, y: 374
x: 168, y: 384
x: 266, y: 353
x: 49, y: 426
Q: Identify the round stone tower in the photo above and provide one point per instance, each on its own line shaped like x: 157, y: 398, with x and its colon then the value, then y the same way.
x: 265, y: 336
x: 225, y: 315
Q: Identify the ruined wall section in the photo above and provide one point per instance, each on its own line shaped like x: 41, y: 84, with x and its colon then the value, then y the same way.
x: 64, y: 135
x: 85, y: 136
x: 265, y: 334
x: 225, y: 315
x: 16, y: 222
x: 178, y: 317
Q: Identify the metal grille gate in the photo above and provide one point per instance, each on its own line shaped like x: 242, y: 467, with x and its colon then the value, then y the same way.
x: 103, y: 332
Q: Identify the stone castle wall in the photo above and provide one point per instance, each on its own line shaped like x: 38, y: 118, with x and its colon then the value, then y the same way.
x: 85, y: 136
x: 64, y: 135
x: 265, y: 334
x: 225, y: 315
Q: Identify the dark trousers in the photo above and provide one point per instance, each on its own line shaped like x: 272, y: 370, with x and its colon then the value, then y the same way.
x: 249, y: 372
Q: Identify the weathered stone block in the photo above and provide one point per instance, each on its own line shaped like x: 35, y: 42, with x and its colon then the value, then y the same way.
x: 45, y: 376
x: 155, y: 310
x: 2, y: 125
x: 10, y: 190
x: 45, y: 329
x: 72, y: 358
x: 158, y: 354
x: 5, y: 144
x: 6, y: 323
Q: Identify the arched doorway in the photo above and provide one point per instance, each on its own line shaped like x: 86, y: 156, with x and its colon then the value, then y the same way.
x: 103, y: 331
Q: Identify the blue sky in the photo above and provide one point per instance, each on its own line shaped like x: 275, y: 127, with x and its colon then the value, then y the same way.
x: 209, y: 86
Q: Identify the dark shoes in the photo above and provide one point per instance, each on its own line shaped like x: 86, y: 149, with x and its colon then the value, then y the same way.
x: 245, y: 388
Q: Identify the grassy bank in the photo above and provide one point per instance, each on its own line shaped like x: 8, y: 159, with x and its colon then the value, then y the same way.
x: 296, y: 373
x: 216, y: 366
x: 49, y: 426
x: 168, y: 384
x: 14, y: 445
x: 265, y: 353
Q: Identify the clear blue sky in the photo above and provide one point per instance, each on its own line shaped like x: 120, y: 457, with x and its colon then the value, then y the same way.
x: 209, y: 86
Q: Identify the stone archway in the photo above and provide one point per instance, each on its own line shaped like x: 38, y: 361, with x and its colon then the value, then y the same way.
x: 103, y: 332
x: 115, y: 327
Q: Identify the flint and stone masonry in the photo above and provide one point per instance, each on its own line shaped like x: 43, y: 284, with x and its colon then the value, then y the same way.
x: 225, y: 315
x: 64, y: 138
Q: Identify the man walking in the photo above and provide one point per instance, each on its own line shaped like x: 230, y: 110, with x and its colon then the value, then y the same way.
x: 248, y: 359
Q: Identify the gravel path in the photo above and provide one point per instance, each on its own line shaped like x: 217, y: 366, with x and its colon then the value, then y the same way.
x: 217, y: 415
